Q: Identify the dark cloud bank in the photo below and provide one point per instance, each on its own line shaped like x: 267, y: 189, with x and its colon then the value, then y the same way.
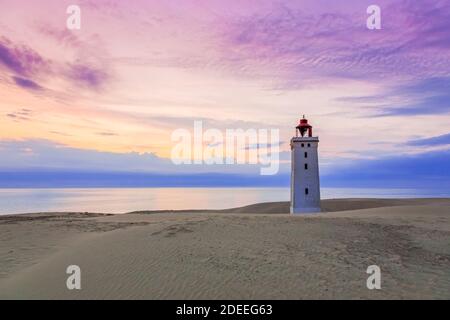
x: 429, y: 170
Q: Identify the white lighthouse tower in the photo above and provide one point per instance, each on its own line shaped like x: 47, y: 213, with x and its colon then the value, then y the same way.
x: 305, y: 185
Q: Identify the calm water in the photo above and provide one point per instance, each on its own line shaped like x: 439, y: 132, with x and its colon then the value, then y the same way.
x: 126, y: 200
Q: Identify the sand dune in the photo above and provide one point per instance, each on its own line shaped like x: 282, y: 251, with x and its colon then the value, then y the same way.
x: 329, y: 205
x: 242, y: 253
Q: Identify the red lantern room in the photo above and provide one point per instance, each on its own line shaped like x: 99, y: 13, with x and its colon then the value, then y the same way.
x: 302, y: 127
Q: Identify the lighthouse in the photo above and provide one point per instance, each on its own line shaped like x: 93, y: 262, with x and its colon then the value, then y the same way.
x: 305, y: 185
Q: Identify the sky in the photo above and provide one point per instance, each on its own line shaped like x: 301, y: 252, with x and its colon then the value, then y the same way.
x: 107, y: 97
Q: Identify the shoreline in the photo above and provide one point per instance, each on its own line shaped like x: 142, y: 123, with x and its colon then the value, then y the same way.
x: 280, y: 207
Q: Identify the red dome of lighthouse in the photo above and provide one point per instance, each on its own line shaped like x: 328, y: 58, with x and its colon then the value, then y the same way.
x: 303, y: 126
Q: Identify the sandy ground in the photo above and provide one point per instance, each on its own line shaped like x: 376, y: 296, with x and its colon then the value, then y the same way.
x: 243, y: 253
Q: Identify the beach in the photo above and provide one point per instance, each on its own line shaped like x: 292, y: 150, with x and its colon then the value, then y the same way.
x: 252, y: 252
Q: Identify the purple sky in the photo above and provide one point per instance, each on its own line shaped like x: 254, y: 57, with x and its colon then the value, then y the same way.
x: 138, y: 70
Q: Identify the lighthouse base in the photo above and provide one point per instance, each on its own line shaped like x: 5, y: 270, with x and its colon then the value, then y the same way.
x: 305, y: 210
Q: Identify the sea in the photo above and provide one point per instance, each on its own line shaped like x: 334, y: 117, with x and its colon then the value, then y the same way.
x: 123, y: 200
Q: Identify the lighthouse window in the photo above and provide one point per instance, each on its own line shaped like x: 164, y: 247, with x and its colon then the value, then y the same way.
x: 306, y: 154
x: 309, y: 144
x: 306, y: 191
x: 306, y: 166
x: 303, y: 145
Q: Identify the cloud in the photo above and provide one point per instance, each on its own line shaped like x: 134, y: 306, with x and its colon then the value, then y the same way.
x: 21, y: 114
x: 421, y: 97
x: 407, y: 60
x: 88, y: 76
x: 60, y: 133
x: 432, y: 96
x: 90, y: 68
x: 45, y: 154
x: 300, y: 46
x: 264, y: 145
x: 107, y: 134
x: 27, y: 84
x: 429, y: 171
x: 63, y: 36
x: 42, y: 155
x: 45, y: 163
x: 420, y: 171
x: 25, y: 63
x: 427, y: 105
x: 86, y: 179
x: 28, y: 65
x: 433, y: 141
x: 22, y: 60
